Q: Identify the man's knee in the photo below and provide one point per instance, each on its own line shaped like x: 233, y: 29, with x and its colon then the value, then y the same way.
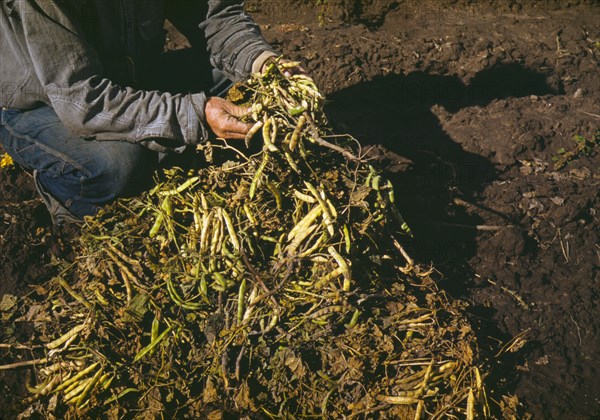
x: 119, y: 169
x: 110, y: 170
x: 81, y: 174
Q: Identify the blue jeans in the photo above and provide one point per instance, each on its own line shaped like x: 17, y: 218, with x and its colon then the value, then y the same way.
x: 81, y: 174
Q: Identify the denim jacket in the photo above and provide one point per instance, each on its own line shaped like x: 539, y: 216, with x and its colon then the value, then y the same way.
x: 62, y: 53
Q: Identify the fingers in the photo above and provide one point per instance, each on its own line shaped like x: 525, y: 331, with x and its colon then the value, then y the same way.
x: 237, y: 111
x: 289, y: 68
x: 295, y: 70
x: 233, y: 127
x: 290, y: 71
x: 224, y: 119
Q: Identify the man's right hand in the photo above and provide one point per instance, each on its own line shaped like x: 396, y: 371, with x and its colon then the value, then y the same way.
x: 223, y: 118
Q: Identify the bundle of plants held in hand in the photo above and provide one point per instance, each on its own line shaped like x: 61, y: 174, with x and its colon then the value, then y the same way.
x: 273, y: 285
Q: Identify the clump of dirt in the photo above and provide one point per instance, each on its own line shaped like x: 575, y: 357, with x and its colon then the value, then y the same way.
x: 24, y: 222
x: 466, y: 105
x: 28, y: 246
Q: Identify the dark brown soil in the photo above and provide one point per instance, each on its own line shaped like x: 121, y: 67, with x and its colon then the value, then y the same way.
x: 466, y: 103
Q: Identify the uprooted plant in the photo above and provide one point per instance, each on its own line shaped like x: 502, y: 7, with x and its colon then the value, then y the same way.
x: 273, y: 285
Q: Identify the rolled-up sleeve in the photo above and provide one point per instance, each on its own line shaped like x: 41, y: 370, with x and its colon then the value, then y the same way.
x: 234, y: 39
x: 90, y: 105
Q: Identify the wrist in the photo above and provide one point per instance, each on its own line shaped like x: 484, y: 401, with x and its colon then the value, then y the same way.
x: 261, y: 60
x: 198, y: 125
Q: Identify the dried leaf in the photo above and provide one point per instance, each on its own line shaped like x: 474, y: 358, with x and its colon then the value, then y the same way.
x: 8, y: 306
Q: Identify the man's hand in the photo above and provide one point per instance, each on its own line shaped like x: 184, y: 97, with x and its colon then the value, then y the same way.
x: 288, y: 72
x: 223, y: 118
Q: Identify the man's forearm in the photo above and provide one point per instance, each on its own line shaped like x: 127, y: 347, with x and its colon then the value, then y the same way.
x: 89, y: 104
x: 235, y: 42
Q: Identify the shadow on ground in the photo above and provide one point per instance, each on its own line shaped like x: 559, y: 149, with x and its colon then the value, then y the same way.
x: 433, y: 175
x: 431, y: 172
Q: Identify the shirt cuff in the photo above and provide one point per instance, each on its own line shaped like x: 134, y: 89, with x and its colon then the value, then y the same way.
x: 261, y: 59
x: 198, y: 103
